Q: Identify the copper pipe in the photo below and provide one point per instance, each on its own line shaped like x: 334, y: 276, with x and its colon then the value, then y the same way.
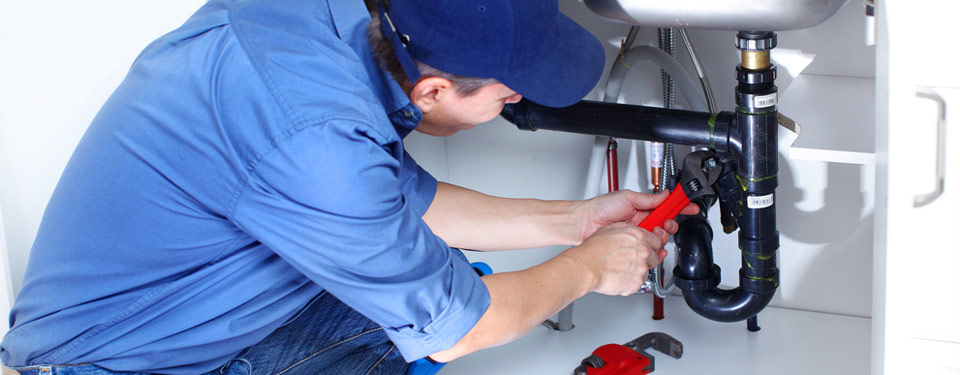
x: 613, y: 172
x: 655, y: 178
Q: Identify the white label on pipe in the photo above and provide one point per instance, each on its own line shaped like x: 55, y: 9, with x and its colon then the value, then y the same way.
x: 656, y: 154
x: 765, y: 101
x: 759, y: 202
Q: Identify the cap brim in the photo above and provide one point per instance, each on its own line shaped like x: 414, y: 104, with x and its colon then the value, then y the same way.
x: 567, y: 73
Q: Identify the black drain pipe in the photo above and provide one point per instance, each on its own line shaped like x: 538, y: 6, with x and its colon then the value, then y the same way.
x: 697, y: 277
x: 751, y: 200
x: 626, y: 121
x: 750, y: 136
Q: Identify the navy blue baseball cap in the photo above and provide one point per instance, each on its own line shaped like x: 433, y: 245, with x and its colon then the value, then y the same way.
x: 527, y: 45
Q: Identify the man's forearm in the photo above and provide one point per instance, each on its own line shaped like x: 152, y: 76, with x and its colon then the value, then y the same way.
x: 521, y: 300
x: 469, y: 219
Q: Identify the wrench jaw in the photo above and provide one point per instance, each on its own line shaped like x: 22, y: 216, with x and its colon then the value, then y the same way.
x: 698, y: 177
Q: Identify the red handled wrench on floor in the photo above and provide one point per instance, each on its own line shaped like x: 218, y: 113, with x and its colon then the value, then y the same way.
x: 630, y: 358
x: 694, y: 184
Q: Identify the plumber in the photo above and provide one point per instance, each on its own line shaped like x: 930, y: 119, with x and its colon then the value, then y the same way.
x: 243, y: 202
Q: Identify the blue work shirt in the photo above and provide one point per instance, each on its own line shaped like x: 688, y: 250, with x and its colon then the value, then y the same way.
x: 251, y: 159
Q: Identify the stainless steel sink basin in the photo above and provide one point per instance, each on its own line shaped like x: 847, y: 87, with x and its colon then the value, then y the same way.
x: 759, y: 15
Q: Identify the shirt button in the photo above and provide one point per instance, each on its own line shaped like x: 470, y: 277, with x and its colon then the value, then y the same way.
x: 407, y: 113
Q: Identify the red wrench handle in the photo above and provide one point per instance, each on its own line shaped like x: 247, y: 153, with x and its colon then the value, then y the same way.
x: 669, y: 209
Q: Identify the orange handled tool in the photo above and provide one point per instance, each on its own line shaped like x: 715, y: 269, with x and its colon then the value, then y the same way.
x: 669, y: 209
x: 630, y: 358
x: 694, y: 184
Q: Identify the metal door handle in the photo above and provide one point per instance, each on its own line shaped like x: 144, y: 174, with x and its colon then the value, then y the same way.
x: 924, y: 199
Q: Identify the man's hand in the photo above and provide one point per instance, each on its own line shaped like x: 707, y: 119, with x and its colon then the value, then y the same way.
x: 625, y: 206
x: 613, y: 261
x: 613, y: 255
x: 619, y: 256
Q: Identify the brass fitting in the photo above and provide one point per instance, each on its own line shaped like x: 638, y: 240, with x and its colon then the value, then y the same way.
x: 755, y: 60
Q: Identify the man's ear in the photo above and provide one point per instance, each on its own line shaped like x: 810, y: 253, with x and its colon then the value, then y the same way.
x: 429, y: 91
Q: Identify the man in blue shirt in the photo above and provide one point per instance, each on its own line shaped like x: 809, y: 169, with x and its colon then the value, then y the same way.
x: 243, y: 202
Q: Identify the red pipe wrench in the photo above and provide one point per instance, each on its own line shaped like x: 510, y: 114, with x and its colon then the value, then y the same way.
x: 630, y: 358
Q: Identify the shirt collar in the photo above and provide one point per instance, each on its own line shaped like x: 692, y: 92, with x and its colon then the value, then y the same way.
x: 406, y: 119
x: 351, y: 19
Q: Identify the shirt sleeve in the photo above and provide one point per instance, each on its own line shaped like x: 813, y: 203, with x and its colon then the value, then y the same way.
x: 417, y: 185
x: 343, y: 205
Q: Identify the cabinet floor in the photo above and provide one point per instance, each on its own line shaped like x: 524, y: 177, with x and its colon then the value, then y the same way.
x: 789, y: 342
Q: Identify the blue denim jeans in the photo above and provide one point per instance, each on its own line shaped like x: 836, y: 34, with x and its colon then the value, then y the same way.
x: 326, y: 337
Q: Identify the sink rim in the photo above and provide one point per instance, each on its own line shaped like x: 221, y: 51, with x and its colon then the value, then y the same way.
x: 765, y: 15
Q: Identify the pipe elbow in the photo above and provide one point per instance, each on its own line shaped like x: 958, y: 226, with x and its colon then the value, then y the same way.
x: 698, y: 277
x: 696, y: 255
x: 726, y: 305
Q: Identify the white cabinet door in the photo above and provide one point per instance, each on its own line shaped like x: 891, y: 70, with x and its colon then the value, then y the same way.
x: 917, y: 288
x: 917, y: 262
x: 916, y: 315
x: 930, y: 237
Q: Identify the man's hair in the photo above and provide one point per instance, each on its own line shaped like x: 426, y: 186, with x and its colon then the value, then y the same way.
x: 383, y: 52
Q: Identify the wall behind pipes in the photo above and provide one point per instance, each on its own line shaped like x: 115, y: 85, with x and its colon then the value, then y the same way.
x: 62, y: 59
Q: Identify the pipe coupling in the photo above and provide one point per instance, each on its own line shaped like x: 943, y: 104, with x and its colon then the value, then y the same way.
x: 756, y: 40
x: 685, y: 283
x: 754, y: 77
